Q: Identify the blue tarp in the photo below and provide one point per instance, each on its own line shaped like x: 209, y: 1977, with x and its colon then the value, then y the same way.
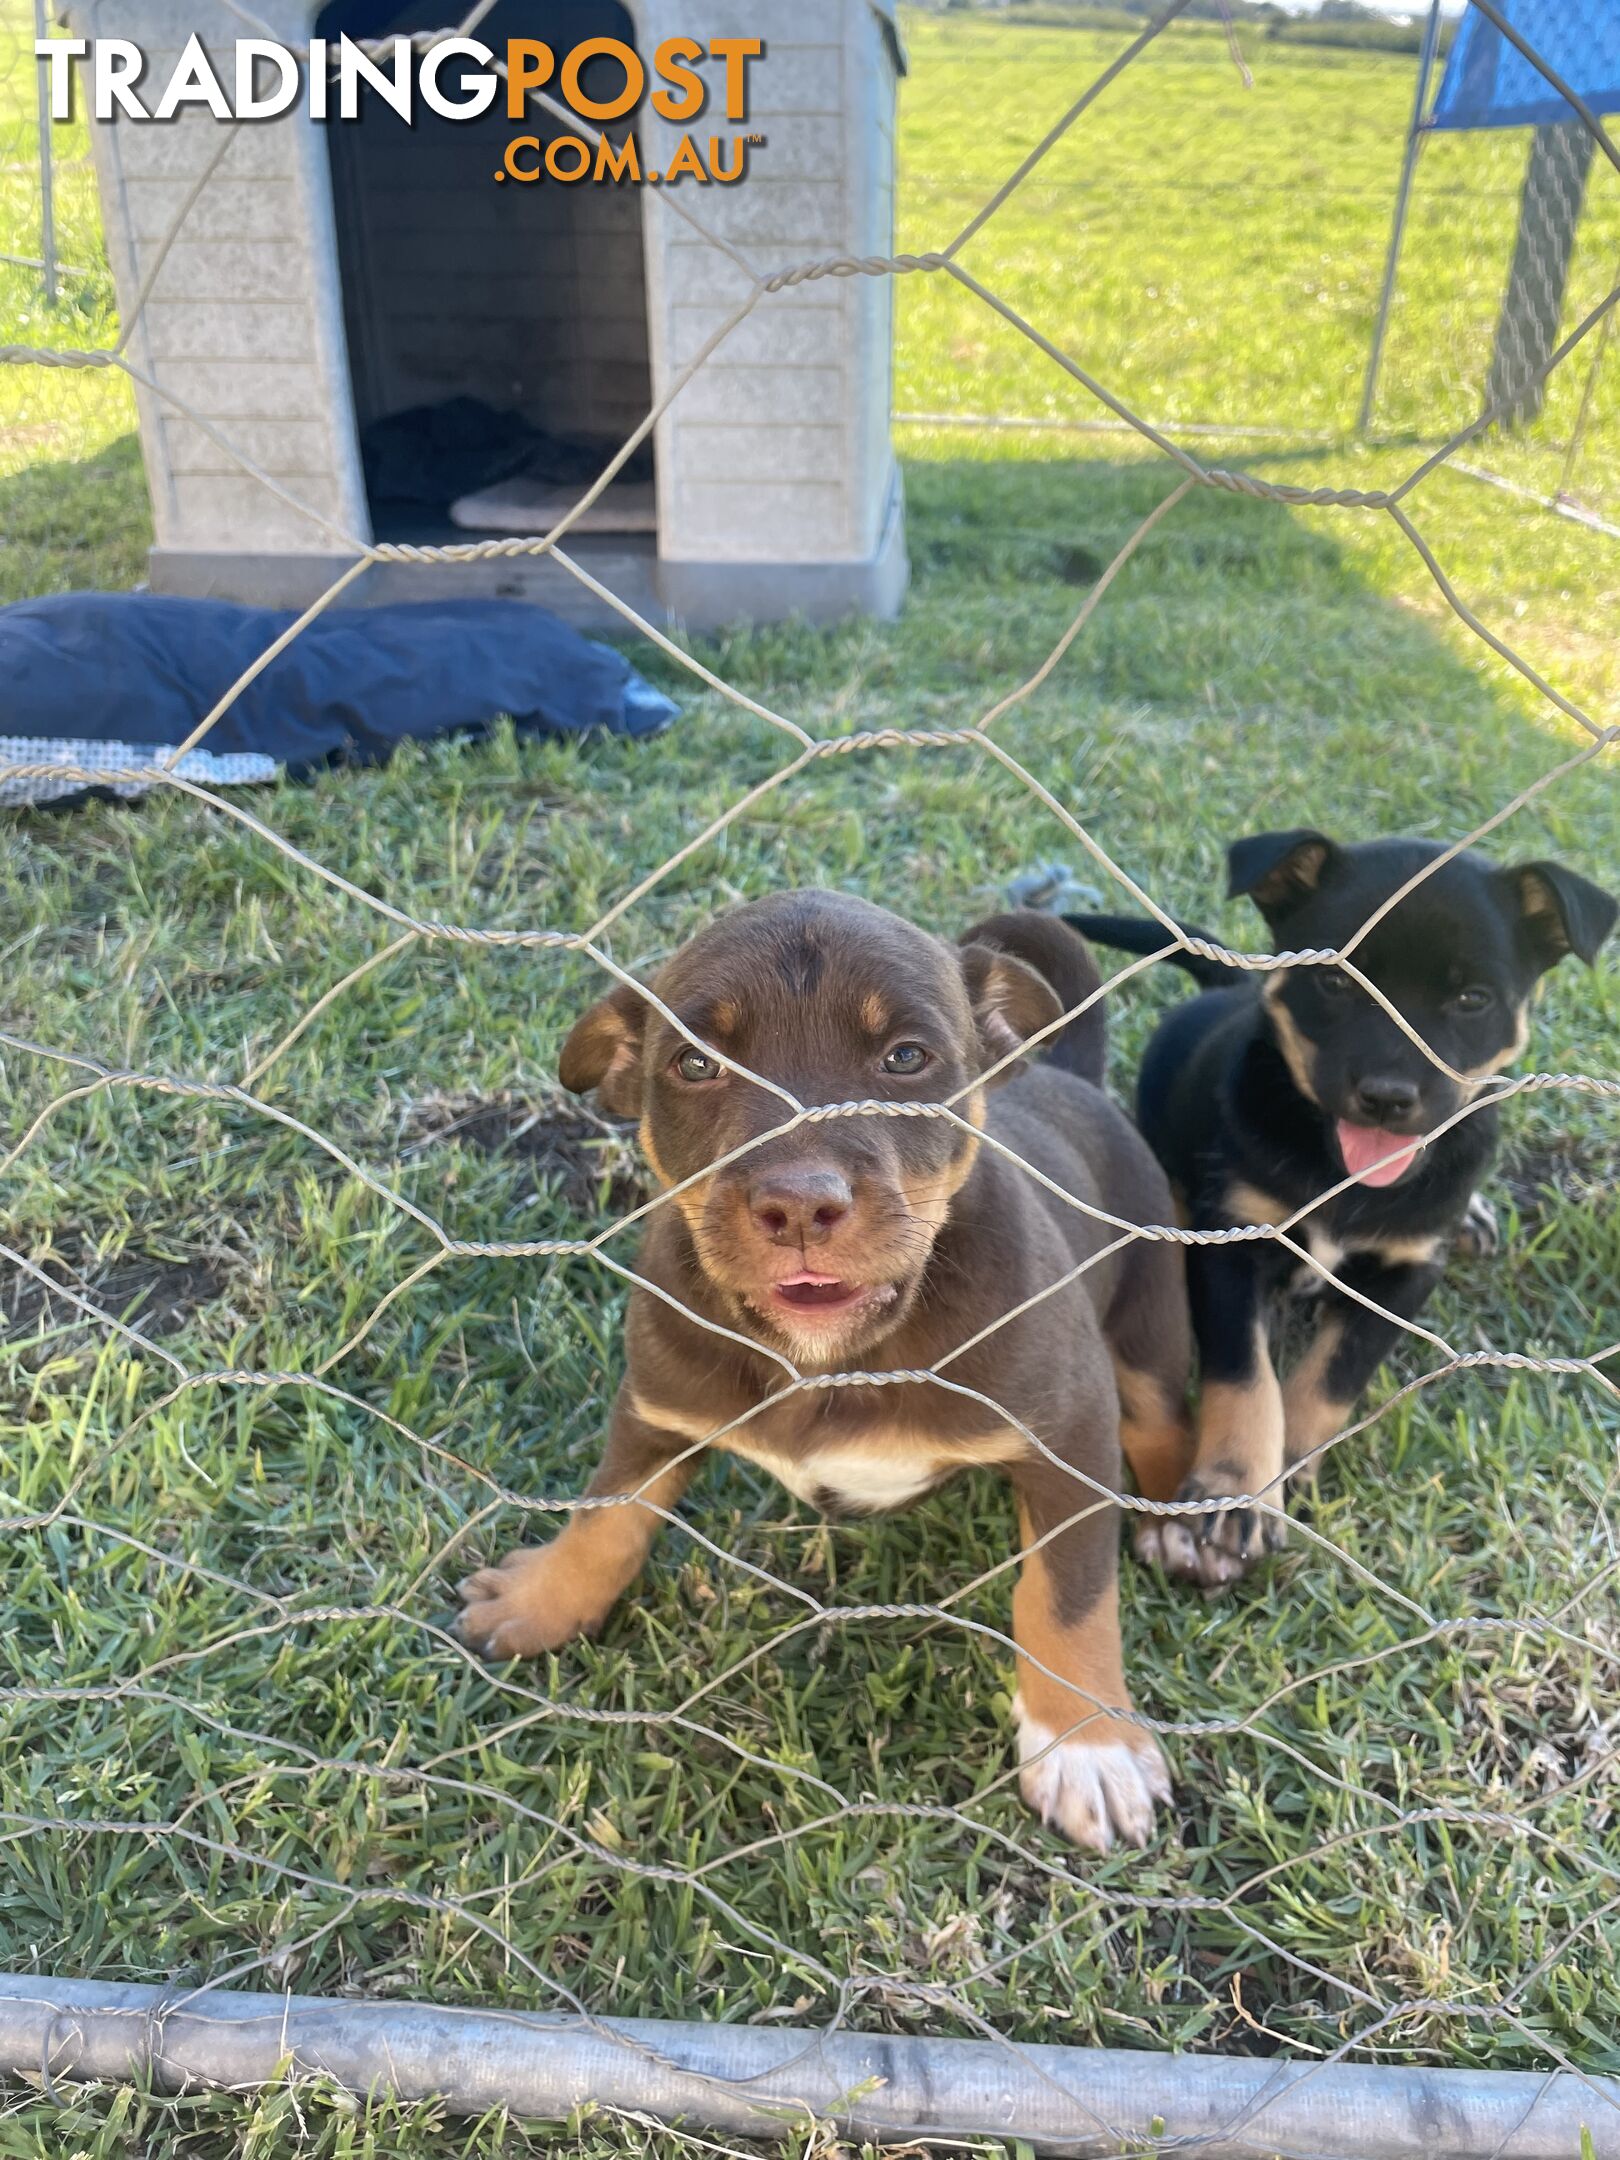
x: 106, y: 680
x: 1489, y: 83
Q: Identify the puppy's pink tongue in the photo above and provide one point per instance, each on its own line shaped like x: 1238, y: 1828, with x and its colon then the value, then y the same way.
x: 1370, y: 1155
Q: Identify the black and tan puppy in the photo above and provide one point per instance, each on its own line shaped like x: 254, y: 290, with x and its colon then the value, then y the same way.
x: 1265, y: 1092
x: 888, y: 1243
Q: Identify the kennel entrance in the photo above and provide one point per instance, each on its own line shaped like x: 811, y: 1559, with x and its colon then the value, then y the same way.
x: 497, y: 334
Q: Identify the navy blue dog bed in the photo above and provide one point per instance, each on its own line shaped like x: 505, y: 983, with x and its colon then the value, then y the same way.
x: 99, y: 683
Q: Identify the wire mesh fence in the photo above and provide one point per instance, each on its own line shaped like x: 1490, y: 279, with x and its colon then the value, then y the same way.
x: 1263, y: 273
x: 1529, y: 267
x: 245, y: 1743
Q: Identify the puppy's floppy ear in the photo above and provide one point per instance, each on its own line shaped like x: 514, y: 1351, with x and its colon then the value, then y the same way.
x: 603, y: 1051
x: 1563, y: 912
x: 1278, y: 869
x: 1010, y: 1001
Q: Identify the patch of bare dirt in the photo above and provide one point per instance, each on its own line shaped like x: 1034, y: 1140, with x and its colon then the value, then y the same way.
x: 564, y: 1144
x: 1567, y: 1167
x: 155, y: 1292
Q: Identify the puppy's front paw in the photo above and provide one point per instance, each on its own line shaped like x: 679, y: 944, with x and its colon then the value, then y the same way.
x: 1480, y: 1236
x: 1096, y: 1786
x: 535, y: 1601
x: 1214, y: 1550
x: 1171, y: 1546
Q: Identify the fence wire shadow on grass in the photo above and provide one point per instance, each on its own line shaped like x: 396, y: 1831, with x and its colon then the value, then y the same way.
x: 156, y: 1381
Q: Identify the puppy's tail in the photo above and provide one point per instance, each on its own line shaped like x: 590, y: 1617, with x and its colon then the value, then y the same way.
x: 1048, y: 945
x: 1141, y: 934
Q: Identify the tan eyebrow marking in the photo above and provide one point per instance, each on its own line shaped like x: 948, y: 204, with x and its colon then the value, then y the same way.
x: 711, y: 1018
x: 874, y: 1014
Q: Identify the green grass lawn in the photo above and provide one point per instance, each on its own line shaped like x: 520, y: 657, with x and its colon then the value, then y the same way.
x: 262, y: 1575
x: 73, y: 509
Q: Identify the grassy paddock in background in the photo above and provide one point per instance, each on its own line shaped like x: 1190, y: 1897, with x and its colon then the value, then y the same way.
x: 73, y: 510
x: 1214, y: 253
x: 1254, y: 666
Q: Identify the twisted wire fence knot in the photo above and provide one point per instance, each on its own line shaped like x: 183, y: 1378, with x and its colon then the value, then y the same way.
x: 1327, y: 498
x: 893, y: 738
x: 46, y: 357
x: 845, y: 266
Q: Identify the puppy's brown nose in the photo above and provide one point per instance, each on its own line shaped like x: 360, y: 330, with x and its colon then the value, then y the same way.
x: 799, y: 1206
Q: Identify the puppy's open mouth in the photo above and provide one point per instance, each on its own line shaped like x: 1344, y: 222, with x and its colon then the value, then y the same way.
x: 809, y: 1296
x: 1376, y: 1157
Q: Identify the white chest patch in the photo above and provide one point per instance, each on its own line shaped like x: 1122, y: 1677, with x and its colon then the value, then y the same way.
x: 887, y: 1467
x: 861, y: 1478
x: 882, y: 1470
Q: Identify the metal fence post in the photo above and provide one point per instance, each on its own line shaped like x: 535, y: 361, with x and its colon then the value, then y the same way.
x: 1403, y: 199
x: 1549, y: 215
x: 47, y: 194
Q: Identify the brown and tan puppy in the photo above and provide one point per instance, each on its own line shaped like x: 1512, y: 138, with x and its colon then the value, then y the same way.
x: 868, y: 1243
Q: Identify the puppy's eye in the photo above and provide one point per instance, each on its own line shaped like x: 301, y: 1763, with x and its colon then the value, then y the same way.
x: 907, y: 1059
x: 1334, y: 982
x: 696, y: 1065
x: 1477, y: 998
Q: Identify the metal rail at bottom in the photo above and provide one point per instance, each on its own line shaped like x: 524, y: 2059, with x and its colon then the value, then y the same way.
x: 759, y: 2081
